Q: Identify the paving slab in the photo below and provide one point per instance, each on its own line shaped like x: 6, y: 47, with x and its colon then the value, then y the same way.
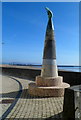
x: 8, y: 86
x: 28, y: 107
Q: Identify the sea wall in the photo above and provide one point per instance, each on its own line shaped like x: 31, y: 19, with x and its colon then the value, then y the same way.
x: 73, y: 78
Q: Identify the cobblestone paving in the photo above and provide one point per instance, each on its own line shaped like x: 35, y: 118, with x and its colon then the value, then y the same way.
x: 5, y: 107
x: 31, y: 107
x: 6, y: 94
x: 36, y: 107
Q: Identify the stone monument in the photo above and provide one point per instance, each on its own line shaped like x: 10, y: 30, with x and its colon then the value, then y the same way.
x: 48, y: 83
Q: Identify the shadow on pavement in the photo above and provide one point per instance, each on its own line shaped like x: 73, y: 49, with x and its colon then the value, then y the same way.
x: 24, y: 95
x: 9, y: 95
x: 56, y: 117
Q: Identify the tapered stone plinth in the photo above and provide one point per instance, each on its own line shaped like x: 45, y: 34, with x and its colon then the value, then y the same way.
x: 52, y: 91
x: 48, y: 87
x: 48, y: 83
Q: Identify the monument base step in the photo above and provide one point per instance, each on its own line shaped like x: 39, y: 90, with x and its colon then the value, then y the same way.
x: 48, y: 81
x: 53, y: 91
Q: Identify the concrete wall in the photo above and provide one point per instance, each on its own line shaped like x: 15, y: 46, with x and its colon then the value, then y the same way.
x: 73, y: 78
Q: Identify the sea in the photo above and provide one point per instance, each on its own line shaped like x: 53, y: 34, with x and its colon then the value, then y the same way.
x: 60, y: 67
x: 70, y: 68
x: 66, y: 68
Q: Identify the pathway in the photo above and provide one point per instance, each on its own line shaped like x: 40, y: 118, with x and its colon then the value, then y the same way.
x: 34, y: 107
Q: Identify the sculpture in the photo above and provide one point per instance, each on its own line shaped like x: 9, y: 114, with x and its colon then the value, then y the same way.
x: 48, y: 83
x: 49, y: 12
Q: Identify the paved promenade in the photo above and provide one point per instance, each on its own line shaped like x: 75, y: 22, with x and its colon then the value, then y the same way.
x: 25, y: 106
x: 8, y: 92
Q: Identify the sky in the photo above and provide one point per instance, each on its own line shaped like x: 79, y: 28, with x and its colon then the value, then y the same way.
x: 0, y: 32
x: 80, y: 34
x: 24, y: 26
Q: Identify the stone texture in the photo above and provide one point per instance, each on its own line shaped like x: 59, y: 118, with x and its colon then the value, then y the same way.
x: 49, y: 81
x: 69, y: 112
x: 33, y: 107
x: 49, y: 68
x: 55, y: 91
x: 72, y: 103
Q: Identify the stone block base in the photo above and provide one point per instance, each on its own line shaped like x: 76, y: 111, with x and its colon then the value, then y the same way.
x: 72, y: 103
x: 48, y: 81
x: 55, y: 91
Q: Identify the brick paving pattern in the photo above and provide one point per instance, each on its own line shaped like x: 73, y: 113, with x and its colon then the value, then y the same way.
x: 36, y: 107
